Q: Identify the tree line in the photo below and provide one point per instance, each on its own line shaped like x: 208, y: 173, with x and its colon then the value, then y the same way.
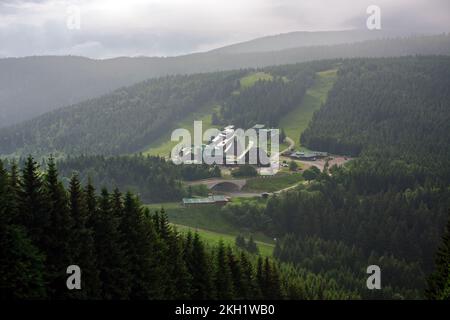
x: 123, y: 250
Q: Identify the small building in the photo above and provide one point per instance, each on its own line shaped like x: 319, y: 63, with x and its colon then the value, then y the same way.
x: 214, y: 199
x: 304, y: 156
x: 319, y: 154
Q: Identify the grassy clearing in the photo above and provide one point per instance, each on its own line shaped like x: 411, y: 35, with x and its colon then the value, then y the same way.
x: 207, y: 219
x: 250, y: 80
x: 296, y: 121
x: 203, y: 216
x: 163, y: 146
x: 273, y: 183
x: 213, y: 238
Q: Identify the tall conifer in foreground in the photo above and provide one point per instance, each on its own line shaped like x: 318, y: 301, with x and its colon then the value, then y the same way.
x: 439, y: 280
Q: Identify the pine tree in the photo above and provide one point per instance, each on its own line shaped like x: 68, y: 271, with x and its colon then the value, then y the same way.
x: 91, y: 200
x: 251, y: 246
x: 12, y: 194
x: 260, y: 281
x: 164, y: 227
x: 34, y: 214
x: 21, y: 264
x: 275, y: 291
x: 248, y: 288
x: 200, y: 268
x: 236, y: 273
x: 177, y: 269
x: 108, y: 247
x: 60, y: 225
x: 439, y: 280
x: 240, y: 241
x: 223, y: 277
x: 82, y: 244
x: 143, y: 250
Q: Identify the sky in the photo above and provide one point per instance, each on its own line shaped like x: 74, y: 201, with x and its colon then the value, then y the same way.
x: 111, y: 28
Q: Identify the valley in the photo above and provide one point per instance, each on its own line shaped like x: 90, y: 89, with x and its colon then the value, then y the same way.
x: 347, y: 193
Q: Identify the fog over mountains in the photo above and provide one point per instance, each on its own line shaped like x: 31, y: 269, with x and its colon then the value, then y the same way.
x: 32, y: 86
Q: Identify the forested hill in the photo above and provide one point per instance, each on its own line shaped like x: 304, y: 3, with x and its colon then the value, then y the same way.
x: 130, y: 118
x: 396, y: 107
x: 393, y: 108
x: 34, y: 85
x: 120, y: 122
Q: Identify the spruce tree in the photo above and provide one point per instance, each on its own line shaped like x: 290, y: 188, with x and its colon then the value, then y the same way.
x: 200, y: 269
x: 236, y: 273
x: 143, y: 250
x: 248, y: 288
x: 223, y: 276
x: 260, y: 282
x: 22, y: 274
x: 240, y: 241
x: 439, y: 280
x: 108, y: 247
x: 60, y: 225
x: 82, y: 244
x: 251, y: 246
x: 34, y: 214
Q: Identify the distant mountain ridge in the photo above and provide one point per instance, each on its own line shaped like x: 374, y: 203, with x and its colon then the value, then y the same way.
x: 32, y: 86
x: 300, y: 39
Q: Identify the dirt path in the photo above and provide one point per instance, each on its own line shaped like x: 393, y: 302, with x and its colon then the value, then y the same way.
x: 291, y: 145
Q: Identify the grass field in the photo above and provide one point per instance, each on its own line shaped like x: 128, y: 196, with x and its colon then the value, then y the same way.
x: 211, y: 225
x: 163, y: 146
x: 296, y: 121
x: 251, y: 79
x: 273, y: 183
x: 213, y: 238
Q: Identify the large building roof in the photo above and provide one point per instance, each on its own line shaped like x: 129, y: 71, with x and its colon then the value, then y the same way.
x: 210, y: 199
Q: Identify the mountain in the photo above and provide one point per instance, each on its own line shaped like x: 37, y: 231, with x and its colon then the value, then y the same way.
x: 305, y: 39
x: 388, y: 108
x: 369, y: 101
x: 32, y: 86
x: 130, y: 118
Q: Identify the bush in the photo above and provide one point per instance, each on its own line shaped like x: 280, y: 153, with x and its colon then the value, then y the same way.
x: 293, y: 166
x: 245, y: 170
x: 311, y: 173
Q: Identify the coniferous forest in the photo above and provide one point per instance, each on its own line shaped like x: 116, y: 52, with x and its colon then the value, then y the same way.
x: 388, y: 206
x: 224, y: 159
x: 126, y: 251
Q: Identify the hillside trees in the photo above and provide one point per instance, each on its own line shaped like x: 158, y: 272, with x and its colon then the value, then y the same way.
x: 123, y: 250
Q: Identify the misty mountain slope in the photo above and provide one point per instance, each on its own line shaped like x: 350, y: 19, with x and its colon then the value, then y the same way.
x: 120, y: 122
x: 305, y: 39
x: 130, y: 118
x: 34, y: 85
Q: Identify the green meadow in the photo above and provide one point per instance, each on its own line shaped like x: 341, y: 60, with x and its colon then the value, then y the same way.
x: 296, y: 121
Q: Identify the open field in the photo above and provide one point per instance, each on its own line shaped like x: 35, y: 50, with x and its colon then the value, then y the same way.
x: 251, y: 79
x: 296, y: 121
x: 273, y: 183
x: 211, y: 237
x: 210, y: 224
x: 207, y: 217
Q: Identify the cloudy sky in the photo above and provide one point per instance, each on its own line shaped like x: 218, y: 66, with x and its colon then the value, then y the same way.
x: 110, y: 28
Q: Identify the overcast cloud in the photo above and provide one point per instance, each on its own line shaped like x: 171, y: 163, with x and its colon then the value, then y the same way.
x: 111, y: 28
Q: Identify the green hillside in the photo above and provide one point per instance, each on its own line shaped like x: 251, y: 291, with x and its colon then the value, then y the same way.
x: 296, y: 121
x: 163, y: 145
